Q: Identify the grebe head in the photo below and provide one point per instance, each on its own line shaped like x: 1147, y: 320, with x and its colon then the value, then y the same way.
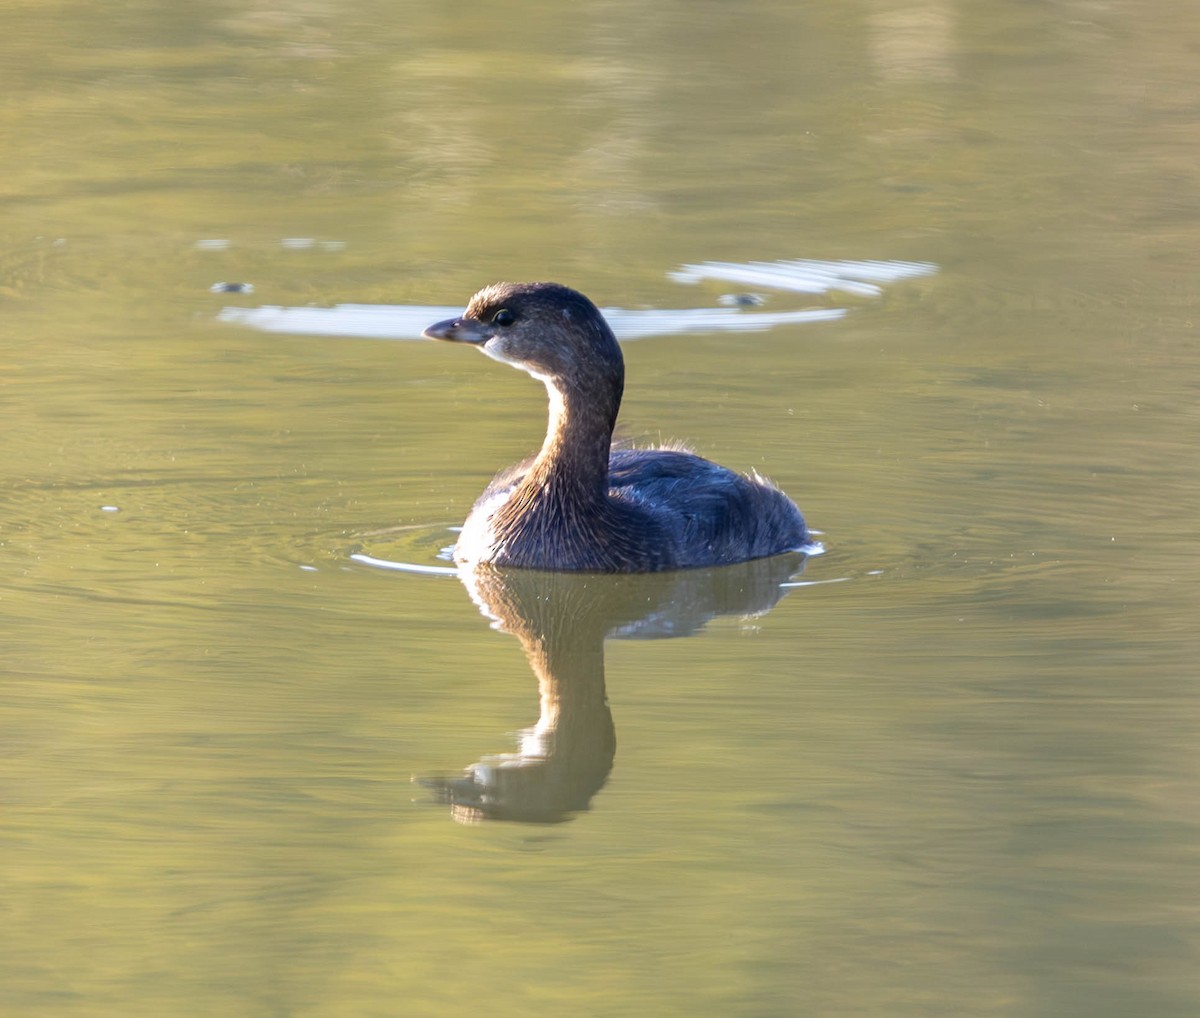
x: 549, y: 330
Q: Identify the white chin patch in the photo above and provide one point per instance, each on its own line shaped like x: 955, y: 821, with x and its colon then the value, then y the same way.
x: 494, y: 348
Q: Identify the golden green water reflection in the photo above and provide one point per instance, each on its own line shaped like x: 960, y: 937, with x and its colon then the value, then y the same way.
x: 961, y: 781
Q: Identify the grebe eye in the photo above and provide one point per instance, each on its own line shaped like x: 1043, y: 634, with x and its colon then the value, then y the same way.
x: 503, y: 317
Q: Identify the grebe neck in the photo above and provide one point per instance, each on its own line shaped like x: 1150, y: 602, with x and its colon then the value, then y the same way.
x: 573, y: 460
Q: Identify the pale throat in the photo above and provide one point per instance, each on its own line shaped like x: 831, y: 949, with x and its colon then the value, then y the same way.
x: 578, y: 438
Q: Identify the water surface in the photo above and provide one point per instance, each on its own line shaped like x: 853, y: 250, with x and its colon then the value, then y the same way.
x: 961, y: 781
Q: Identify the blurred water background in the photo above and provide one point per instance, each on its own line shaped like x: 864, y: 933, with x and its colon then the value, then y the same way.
x: 961, y: 780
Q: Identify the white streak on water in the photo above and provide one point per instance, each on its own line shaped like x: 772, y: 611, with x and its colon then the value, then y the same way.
x: 403, y: 567
x: 408, y: 321
x: 806, y: 275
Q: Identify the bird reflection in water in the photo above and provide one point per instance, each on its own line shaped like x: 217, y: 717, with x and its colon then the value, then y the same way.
x: 562, y: 621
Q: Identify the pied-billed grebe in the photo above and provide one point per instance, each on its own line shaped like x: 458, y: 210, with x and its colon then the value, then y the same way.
x: 580, y: 505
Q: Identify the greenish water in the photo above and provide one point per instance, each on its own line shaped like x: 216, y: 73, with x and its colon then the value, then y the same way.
x: 963, y: 780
